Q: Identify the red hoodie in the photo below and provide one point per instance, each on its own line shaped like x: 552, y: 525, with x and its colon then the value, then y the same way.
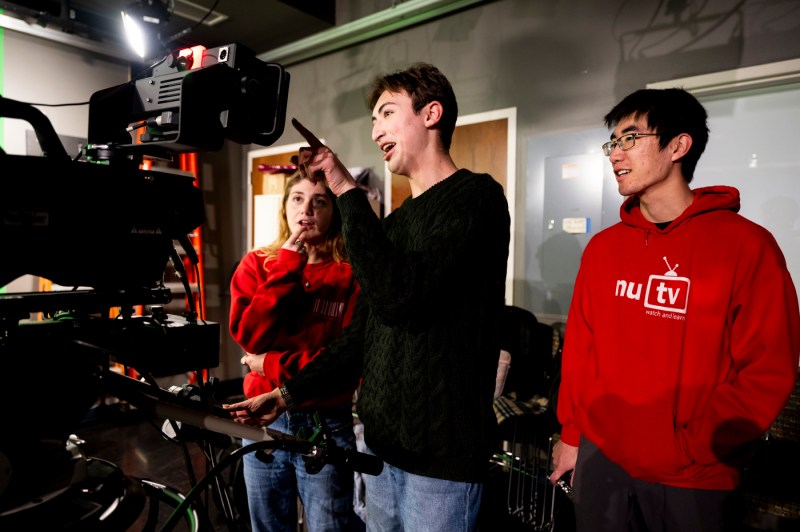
x: 681, y: 343
x: 290, y: 310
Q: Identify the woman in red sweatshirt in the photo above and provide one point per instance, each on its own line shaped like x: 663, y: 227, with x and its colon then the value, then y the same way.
x: 288, y: 301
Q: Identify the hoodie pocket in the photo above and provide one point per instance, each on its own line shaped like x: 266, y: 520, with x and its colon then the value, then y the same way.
x: 641, y: 438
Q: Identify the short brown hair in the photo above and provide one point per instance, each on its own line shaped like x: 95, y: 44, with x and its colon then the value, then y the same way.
x: 423, y: 83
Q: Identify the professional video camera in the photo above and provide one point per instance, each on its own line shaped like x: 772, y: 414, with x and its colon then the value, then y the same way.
x: 101, y: 224
x: 104, y: 223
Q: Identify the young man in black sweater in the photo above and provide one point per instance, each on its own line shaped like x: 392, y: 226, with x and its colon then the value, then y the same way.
x: 424, y: 339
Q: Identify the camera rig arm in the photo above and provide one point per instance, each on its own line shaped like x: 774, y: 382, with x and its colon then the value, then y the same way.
x: 45, y: 133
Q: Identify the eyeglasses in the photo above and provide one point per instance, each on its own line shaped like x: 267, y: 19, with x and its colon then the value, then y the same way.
x: 625, y: 142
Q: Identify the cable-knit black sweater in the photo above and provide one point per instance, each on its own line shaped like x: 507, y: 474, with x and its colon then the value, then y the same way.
x: 424, y: 339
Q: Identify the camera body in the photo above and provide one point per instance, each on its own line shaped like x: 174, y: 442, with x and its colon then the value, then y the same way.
x: 104, y: 223
x: 194, y: 100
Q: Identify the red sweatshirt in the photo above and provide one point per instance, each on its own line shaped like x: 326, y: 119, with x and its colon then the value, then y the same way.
x: 290, y: 310
x: 681, y: 344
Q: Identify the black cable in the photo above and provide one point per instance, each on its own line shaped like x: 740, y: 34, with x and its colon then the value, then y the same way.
x: 161, y: 493
x: 326, y: 454
x: 192, y: 28
x: 180, y: 271
x: 200, y: 295
x: 224, y: 463
x: 57, y: 104
x: 223, y: 501
x: 177, y: 429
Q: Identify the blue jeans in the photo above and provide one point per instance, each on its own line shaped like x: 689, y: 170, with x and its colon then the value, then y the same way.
x: 399, y: 501
x: 327, y: 496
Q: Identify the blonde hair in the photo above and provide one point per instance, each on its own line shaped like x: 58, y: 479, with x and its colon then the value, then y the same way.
x: 334, y: 242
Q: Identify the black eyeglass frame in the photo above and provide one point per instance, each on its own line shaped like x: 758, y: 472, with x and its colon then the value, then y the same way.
x: 608, y: 147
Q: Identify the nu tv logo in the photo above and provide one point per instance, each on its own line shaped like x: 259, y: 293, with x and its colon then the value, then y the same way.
x: 664, y: 292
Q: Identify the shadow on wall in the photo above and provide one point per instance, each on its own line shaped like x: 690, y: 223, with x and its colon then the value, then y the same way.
x: 675, y: 39
x: 559, y: 259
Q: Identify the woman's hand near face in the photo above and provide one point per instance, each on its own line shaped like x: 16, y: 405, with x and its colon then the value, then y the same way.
x: 295, y: 241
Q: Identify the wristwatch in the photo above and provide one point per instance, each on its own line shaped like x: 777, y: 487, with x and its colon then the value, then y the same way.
x: 287, y: 398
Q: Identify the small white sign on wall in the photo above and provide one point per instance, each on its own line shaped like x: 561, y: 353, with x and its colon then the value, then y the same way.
x: 576, y: 225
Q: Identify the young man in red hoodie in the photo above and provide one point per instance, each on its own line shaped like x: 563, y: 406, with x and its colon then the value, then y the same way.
x: 682, y: 338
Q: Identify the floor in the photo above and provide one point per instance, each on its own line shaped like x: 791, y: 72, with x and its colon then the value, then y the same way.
x: 151, y: 472
x: 123, y: 469
x: 138, y: 446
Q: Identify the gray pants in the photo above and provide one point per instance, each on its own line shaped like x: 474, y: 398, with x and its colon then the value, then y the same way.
x: 608, y: 499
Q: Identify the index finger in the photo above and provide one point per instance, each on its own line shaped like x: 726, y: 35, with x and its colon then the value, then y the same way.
x: 312, y: 140
x: 296, y: 234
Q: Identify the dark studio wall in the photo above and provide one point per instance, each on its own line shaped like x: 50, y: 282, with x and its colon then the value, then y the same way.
x: 563, y: 64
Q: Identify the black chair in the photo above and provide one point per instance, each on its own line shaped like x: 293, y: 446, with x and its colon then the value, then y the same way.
x: 519, y: 496
x: 533, y: 347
